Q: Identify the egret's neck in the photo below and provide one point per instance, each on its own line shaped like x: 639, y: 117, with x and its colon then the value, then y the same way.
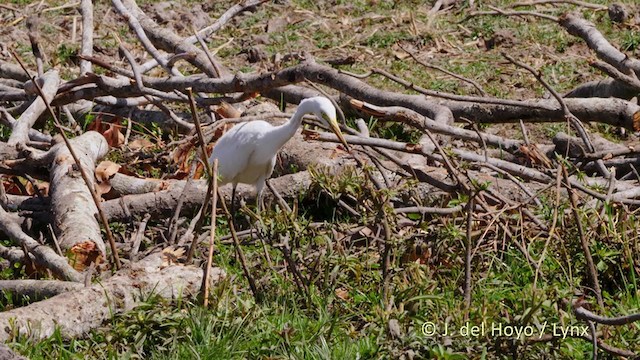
x: 281, y: 134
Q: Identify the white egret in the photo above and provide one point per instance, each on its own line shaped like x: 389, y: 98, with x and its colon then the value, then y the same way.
x: 247, y: 153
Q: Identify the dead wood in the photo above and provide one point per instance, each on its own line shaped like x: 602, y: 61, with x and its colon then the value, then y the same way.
x: 167, y: 40
x: 614, y: 112
x: 501, y: 174
x: 44, y: 255
x: 11, y: 122
x: 86, y: 8
x: 162, y: 203
x: 36, y: 290
x: 75, y: 313
x: 572, y: 146
x: 49, y: 84
x: 173, y: 42
x: 578, y: 26
x: 12, y: 71
x: 7, y: 354
x: 72, y: 205
x: 12, y: 254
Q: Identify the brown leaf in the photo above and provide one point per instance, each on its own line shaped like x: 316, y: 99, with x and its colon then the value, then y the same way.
x: 42, y: 186
x: 180, y: 157
x: 11, y: 188
x: 171, y: 255
x: 96, y: 125
x: 342, y: 294
x: 140, y: 144
x: 105, y: 170
x: 113, y: 135
x: 103, y: 188
x: 220, y: 130
x: 413, y: 148
x: 310, y: 135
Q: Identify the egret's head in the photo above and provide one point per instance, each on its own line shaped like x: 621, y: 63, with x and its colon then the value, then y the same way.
x: 325, y: 111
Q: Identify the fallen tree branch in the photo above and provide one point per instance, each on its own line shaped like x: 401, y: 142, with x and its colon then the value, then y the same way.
x: 44, y: 255
x: 72, y: 204
x: 88, y: 308
x: 20, y: 132
x: 37, y: 290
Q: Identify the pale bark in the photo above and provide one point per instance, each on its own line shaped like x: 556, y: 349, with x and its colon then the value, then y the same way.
x: 49, y: 83
x: 44, y: 255
x: 37, y: 290
x: 75, y: 313
x: 72, y: 205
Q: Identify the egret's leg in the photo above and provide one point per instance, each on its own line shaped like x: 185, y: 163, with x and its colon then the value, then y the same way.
x: 233, y: 196
x: 259, y: 204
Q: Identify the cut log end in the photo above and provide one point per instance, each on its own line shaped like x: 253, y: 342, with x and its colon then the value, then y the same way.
x: 83, y: 254
x: 636, y: 121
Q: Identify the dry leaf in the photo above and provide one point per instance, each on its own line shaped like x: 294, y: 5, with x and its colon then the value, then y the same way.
x: 11, y: 188
x: 105, y: 170
x: 96, y: 125
x: 111, y: 131
x: 180, y: 157
x: 113, y: 135
x: 140, y: 144
x: 342, y: 294
x: 310, y: 135
x: 220, y: 130
x: 171, y: 255
x: 103, y: 188
x: 42, y: 186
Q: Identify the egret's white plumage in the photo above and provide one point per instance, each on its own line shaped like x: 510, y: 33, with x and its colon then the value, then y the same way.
x: 247, y: 153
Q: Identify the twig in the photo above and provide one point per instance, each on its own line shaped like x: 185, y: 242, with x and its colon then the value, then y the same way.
x: 209, y: 30
x: 173, y: 223
x: 473, y: 99
x: 594, y: 339
x: 572, y: 119
x: 277, y: 195
x: 215, y: 65
x: 85, y: 177
x: 553, y: 2
x: 137, y: 238
x: 584, y: 314
x: 44, y: 255
x: 497, y: 11
x: 139, y: 31
x: 212, y: 234
x: 468, y: 254
x: 32, y: 25
x: 593, y: 273
x: 86, y: 8
x: 441, y: 69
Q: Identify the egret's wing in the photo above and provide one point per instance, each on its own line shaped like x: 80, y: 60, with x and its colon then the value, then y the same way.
x: 235, y: 148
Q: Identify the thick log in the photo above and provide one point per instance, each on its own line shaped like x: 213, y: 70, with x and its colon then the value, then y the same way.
x: 614, y: 112
x: 78, y: 312
x: 72, y: 205
x: 37, y: 290
x: 7, y: 354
